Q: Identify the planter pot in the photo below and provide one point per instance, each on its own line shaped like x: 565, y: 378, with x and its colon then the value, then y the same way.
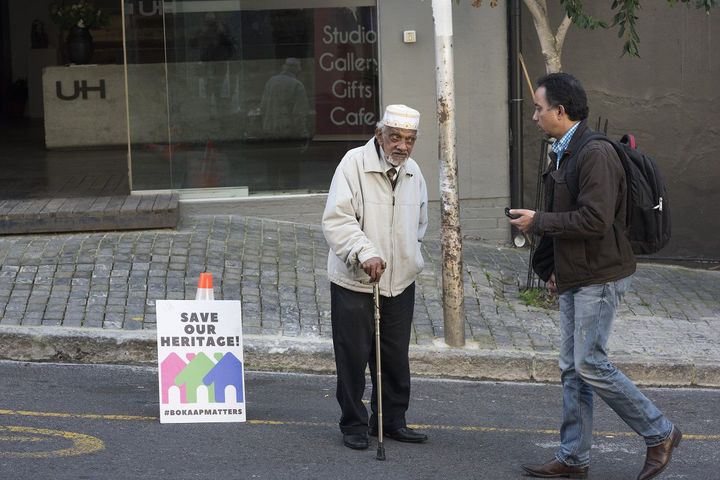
x: 80, y: 46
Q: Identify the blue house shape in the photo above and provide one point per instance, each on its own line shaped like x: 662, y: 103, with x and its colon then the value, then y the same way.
x: 228, y: 371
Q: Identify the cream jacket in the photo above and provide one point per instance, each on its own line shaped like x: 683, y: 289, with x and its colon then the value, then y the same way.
x: 365, y: 218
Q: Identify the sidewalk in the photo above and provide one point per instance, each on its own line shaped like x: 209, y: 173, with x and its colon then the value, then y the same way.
x: 89, y: 297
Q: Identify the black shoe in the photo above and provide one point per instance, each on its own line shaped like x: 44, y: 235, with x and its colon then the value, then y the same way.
x: 404, y: 434
x: 356, y: 441
x: 555, y: 469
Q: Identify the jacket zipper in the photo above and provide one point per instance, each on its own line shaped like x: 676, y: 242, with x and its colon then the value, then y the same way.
x: 392, y: 232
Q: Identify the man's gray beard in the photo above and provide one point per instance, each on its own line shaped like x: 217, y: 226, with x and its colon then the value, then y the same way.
x: 391, y: 161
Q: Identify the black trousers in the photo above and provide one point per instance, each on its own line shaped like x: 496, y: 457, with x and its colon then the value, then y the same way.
x: 353, y: 327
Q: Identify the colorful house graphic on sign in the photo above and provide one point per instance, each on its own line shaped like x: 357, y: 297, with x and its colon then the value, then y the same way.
x: 192, y: 377
x: 228, y: 371
x: 200, y: 371
x: 169, y: 369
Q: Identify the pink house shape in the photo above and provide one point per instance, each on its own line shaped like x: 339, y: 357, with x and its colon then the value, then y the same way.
x: 169, y: 369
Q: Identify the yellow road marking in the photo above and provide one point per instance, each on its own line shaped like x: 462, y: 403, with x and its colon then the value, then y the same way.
x: 7, y: 438
x: 87, y: 416
x: 461, y: 428
x: 469, y: 428
x: 82, y: 444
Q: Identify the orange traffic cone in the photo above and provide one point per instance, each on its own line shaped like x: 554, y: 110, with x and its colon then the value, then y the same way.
x: 205, y: 287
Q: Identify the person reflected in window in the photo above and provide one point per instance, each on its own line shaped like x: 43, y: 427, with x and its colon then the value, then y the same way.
x: 217, y: 47
x: 284, y: 105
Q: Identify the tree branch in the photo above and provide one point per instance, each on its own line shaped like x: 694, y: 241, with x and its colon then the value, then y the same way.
x: 561, y: 32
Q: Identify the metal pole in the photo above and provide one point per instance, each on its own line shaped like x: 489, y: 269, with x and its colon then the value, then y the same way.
x: 516, y: 112
x: 451, y: 240
x: 378, y: 372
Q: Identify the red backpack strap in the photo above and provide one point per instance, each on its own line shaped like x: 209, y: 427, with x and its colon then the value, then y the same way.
x: 629, y: 140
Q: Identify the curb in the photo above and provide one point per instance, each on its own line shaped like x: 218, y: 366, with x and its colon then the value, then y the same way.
x: 265, y: 353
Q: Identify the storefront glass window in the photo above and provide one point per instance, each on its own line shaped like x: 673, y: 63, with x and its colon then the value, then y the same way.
x: 248, y: 95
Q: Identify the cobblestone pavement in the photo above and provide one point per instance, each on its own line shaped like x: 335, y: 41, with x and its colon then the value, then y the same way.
x: 110, y: 281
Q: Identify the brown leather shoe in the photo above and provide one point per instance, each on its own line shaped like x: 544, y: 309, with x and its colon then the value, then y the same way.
x: 658, y: 457
x: 555, y: 469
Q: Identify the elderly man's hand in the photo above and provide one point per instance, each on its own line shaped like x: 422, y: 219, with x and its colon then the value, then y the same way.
x: 374, y: 267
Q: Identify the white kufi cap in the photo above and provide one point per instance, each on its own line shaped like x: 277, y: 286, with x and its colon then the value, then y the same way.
x: 401, y: 116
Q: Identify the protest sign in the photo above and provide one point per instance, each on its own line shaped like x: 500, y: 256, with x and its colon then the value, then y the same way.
x: 200, y: 361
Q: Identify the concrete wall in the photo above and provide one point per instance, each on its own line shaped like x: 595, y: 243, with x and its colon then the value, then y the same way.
x: 668, y: 98
x: 84, y: 122
x: 408, y: 76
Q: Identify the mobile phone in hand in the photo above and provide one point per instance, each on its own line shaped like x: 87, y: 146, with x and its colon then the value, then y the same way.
x: 510, y: 215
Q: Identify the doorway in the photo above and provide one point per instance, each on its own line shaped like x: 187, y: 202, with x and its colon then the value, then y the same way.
x: 28, y: 168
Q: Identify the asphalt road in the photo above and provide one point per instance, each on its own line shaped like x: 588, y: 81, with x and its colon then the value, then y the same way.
x: 101, y: 422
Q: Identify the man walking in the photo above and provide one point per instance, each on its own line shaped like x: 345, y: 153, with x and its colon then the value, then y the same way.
x: 374, y: 221
x: 586, y: 257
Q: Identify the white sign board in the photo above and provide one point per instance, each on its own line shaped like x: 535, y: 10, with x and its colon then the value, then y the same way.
x: 200, y: 361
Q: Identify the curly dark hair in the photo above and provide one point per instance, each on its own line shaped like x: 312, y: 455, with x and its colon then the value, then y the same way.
x: 566, y: 90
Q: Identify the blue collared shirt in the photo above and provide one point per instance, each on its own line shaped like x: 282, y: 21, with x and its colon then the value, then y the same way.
x: 560, y: 145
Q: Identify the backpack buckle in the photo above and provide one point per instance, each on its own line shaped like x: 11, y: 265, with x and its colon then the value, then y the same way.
x: 658, y: 207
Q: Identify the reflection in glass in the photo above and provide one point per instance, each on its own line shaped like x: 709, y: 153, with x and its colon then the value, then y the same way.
x: 284, y: 106
x: 263, y: 100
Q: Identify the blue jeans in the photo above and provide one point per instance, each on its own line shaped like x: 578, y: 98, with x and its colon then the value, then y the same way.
x: 586, y: 316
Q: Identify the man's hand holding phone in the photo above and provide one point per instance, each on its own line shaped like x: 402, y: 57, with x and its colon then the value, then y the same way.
x: 510, y: 215
x: 520, y: 218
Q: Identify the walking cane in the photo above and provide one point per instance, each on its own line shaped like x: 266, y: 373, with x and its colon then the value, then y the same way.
x: 378, y: 376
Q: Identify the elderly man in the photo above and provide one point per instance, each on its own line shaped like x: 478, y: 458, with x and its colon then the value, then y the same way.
x: 374, y: 221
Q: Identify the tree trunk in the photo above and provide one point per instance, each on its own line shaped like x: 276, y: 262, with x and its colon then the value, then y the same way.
x: 550, y: 44
x: 451, y: 241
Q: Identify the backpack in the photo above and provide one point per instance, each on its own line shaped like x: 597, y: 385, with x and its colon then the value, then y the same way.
x: 648, y: 209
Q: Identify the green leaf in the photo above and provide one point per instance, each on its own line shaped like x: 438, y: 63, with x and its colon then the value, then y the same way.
x: 574, y: 10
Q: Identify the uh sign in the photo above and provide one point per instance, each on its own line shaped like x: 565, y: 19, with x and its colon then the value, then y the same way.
x: 81, y: 99
x: 80, y: 87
